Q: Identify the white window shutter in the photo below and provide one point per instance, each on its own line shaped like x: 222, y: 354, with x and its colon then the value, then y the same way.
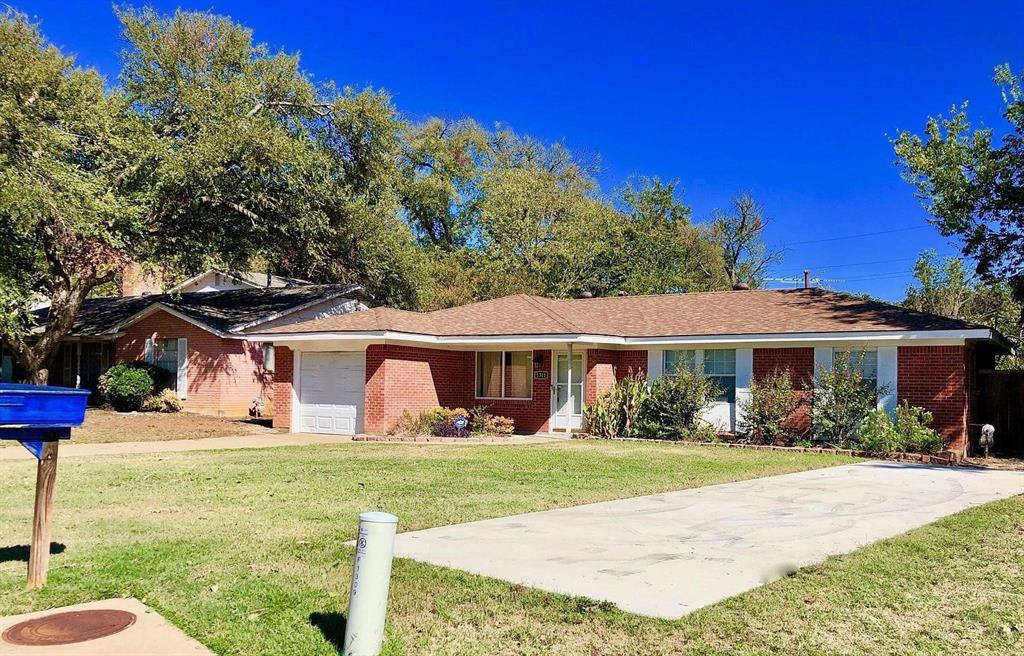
x: 887, y: 376
x: 148, y: 352
x: 182, y: 368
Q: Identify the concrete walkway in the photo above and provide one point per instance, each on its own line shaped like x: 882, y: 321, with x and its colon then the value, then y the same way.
x: 149, y: 635
x: 70, y: 449
x: 669, y: 554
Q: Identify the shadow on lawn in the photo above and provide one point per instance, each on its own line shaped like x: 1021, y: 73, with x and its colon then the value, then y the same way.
x: 20, y: 552
x: 332, y: 626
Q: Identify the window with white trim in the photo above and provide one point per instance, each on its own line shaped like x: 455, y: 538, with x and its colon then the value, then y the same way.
x: 717, y: 364
x: 166, y: 355
x: 268, y: 357
x: 504, y: 374
x: 863, y: 361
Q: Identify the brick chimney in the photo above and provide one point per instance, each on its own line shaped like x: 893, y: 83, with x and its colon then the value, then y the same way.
x: 136, y: 282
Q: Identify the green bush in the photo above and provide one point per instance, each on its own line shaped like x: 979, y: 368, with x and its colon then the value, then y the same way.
x: 163, y: 401
x: 620, y: 411
x: 482, y: 422
x: 440, y: 422
x: 878, y: 434
x: 770, y: 404
x: 674, y: 404
x: 126, y: 386
x: 912, y: 423
x: 667, y: 408
x: 908, y: 432
x: 842, y: 399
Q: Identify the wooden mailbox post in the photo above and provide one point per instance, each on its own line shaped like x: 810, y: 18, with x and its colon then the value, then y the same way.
x: 39, y: 417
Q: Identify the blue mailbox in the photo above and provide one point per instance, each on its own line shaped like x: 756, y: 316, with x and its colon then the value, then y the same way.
x: 38, y: 416
x: 34, y: 414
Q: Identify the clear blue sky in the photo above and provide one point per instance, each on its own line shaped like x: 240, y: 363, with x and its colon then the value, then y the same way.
x: 793, y: 102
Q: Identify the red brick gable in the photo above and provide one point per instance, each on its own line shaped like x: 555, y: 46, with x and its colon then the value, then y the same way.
x: 224, y: 375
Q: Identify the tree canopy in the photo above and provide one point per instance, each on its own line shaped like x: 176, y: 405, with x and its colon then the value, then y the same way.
x: 212, y: 150
x: 973, y: 184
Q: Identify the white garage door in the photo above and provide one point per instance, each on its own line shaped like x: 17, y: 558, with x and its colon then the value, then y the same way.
x: 331, y: 393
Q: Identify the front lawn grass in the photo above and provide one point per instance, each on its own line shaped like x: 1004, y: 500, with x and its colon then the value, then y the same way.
x: 109, y: 426
x: 244, y: 551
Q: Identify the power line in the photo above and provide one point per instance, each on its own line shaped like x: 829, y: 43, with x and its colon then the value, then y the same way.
x: 820, y: 267
x: 857, y: 236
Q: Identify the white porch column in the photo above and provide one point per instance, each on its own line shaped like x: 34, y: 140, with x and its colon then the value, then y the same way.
x: 887, y: 376
x: 744, y: 374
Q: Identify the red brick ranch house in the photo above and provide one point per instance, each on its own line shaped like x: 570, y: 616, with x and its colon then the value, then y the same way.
x: 196, y: 336
x: 539, y: 360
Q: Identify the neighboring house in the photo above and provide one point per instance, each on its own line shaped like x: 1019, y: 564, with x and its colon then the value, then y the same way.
x: 215, y: 280
x: 195, y: 336
x: 539, y: 360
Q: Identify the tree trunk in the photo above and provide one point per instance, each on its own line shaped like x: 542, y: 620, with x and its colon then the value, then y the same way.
x: 38, y: 377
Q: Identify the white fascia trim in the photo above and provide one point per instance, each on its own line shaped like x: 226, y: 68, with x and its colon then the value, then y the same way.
x: 771, y: 338
x: 867, y: 335
x: 171, y: 311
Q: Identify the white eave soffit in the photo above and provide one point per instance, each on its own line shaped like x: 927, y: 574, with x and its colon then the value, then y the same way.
x: 611, y: 340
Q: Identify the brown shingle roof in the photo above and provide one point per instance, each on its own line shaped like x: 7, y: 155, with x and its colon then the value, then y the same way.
x: 713, y: 313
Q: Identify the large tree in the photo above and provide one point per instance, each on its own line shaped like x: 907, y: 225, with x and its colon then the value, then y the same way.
x: 213, y: 151
x: 73, y: 163
x: 739, y: 234
x: 973, y: 184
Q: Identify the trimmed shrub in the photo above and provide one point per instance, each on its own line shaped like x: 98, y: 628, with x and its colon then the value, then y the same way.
x: 126, y: 387
x: 770, y: 404
x: 674, y: 404
x: 163, y: 401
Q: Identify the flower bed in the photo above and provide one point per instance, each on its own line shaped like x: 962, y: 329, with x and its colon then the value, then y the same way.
x: 449, y: 424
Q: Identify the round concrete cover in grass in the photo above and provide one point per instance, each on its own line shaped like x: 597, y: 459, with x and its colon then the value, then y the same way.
x: 68, y: 628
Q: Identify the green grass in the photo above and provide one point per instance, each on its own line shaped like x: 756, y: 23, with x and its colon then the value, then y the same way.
x: 242, y: 548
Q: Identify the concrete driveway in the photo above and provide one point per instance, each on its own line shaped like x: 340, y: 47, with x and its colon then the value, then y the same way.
x: 668, y: 554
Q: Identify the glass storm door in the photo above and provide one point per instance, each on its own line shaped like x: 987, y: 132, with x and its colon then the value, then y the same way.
x: 567, y: 393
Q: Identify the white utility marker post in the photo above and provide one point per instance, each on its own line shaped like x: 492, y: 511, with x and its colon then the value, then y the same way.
x: 371, y: 577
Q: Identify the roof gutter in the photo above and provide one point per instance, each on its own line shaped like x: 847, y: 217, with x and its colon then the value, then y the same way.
x: 562, y: 338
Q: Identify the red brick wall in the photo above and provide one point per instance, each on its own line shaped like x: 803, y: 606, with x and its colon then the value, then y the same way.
x: 605, y: 367
x: 799, y: 363
x: 601, y: 373
x: 224, y: 375
x: 400, y: 378
x: 935, y: 378
x: 284, y: 372
x: 631, y: 362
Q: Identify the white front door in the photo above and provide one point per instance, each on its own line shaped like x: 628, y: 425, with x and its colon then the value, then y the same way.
x: 331, y: 393
x: 567, y: 393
